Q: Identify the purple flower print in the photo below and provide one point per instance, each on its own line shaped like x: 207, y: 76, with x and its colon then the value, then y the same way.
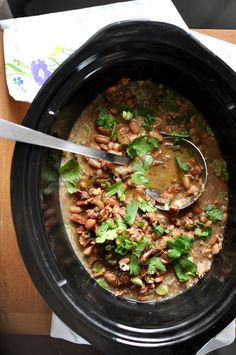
x: 18, y: 81
x: 40, y: 71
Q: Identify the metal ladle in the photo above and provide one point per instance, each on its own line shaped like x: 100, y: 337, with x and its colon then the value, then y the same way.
x: 13, y: 131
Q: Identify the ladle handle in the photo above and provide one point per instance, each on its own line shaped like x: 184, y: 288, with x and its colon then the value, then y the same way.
x: 13, y: 131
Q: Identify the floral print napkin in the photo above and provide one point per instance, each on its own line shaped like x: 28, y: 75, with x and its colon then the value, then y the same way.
x: 35, y: 46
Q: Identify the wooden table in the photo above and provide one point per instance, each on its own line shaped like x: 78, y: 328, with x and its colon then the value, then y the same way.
x: 22, y: 310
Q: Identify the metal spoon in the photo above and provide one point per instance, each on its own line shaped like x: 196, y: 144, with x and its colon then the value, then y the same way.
x: 13, y: 131
x: 179, y: 204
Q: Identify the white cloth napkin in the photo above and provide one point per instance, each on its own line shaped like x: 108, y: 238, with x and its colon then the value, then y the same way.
x: 34, y: 47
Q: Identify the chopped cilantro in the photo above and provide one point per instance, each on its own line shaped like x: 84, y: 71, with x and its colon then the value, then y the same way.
x: 120, y: 224
x: 102, y: 283
x: 219, y: 167
x: 131, y: 212
x: 183, y: 134
x: 139, y: 248
x: 106, y: 231
x: 179, y: 246
x: 184, y: 268
x: 203, y: 231
x: 146, y: 206
x: 213, y: 213
x: 71, y: 174
x: 118, y: 188
x: 159, y: 230
x: 142, y: 167
x: 182, y: 165
x: 154, y: 264
x: 141, y: 145
x: 139, y: 178
x: 141, y: 224
x: 106, y: 120
x: 134, y: 266
x: 148, y: 122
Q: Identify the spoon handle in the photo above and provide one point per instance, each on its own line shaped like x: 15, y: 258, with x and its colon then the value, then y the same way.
x: 13, y: 131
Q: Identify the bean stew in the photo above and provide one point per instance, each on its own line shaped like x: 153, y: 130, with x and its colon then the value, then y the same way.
x: 128, y: 245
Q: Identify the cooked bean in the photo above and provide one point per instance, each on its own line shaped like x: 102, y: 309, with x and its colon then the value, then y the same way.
x: 83, y: 185
x: 109, y: 201
x: 101, y: 139
x: 103, y: 130
x: 186, y: 182
x: 94, y: 163
x: 134, y: 126
x: 100, y: 204
x: 110, y: 277
x: 224, y: 219
x: 215, y: 249
x: 146, y: 255
x: 90, y: 223
x: 157, y: 135
x: 111, y: 89
x: 77, y: 218
x: 103, y: 147
x: 76, y: 209
x: 88, y: 250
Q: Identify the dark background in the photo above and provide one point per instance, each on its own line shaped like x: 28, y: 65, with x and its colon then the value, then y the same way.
x: 218, y: 14
x: 196, y: 13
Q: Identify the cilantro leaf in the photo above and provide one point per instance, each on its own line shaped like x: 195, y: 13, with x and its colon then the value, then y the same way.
x: 148, y: 122
x: 139, y: 248
x: 71, y: 174
x: 184, y: 268
x: 174, y: 253
x: 213, y: 213
x: 203, y: 231
x: 142, y: 167
x: 106, y: 120
x: 174, y: 133
x: 219, y: 167
x: 134, y: 266
x: 182, y: 165
x: 178, y: 246
x: 159, y: 230
x: 154, y: 264
x: 118, y: 188
x: 120, y: 224
x: 146, y: 206
x: 106, y: 231
x: 139, y: 178
x: 131, y: 212
x: 141, y: 145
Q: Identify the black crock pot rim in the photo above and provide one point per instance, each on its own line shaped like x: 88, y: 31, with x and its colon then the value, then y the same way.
x: 20, y: 149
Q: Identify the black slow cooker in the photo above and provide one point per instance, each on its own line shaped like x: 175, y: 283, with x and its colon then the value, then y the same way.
x: 137, y: 50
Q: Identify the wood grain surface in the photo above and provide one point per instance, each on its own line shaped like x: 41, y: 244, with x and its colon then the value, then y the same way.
x: 22, y: 310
